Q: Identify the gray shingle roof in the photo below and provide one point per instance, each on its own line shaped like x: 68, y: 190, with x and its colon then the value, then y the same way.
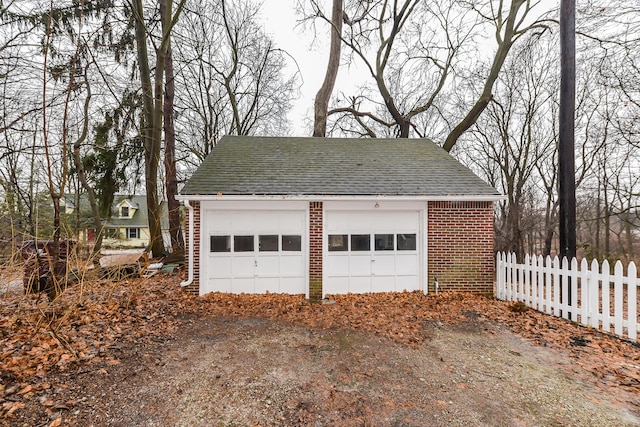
x: 241, y: 165
x: 140, y: 217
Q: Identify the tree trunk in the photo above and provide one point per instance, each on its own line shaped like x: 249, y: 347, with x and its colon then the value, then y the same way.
x: 514, y: 231
x: 628, y: 236
x: 173, y: 206
x: 549, y: 222
x: 405, y: 127
x: 150, y: 172
x: 55, y: 193
x: 607, y: 229
x: 548, y: 239
x: 321, y: 104
x: 82, y: 176
x: 596, y: 252
x: 152, y: 93
x: 33, y: 190
x: 472, y: 116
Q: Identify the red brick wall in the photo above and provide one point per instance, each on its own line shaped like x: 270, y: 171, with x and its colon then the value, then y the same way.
x: 315, y: 251
x: 460, y: 246
x: 194, y: 287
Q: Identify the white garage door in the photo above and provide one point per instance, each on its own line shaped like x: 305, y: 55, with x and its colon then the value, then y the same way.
x: 253, y: 252
x: 372, y: 251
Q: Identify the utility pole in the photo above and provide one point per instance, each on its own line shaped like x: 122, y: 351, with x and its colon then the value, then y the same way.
x: 566, y: 142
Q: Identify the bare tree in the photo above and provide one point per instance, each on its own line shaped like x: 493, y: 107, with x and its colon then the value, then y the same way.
x: 173, y: 206
x: 515, y: 135
x: 232, y: 77
x: 152, y: 94
x: 403, y: 51
x: 83, y: 39
x: 202, y: 116
x: 509, y: 27
x: 57, y: 189
x: 252, y: 71
x: 413, y: 51
x: 321, y: 103
x: 82, y: 175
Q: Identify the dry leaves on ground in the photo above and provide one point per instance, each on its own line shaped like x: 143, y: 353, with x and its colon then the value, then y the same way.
x: 90, y: 321
x: 82, y: 326
x: 400, y: 316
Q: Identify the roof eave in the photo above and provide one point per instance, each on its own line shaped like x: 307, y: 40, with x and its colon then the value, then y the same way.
x: 320, y: 197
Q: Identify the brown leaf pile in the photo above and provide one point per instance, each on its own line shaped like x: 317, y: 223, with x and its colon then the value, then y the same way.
x: 90, y: 322
x: 83, y: 326
x: 399, y: 316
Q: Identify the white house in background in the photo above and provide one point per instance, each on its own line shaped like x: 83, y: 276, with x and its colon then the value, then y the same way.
x: 128, y: 225
x: 319, y: 216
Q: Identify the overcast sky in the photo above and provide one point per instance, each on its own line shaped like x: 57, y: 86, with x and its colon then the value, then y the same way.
x: 279, y: 19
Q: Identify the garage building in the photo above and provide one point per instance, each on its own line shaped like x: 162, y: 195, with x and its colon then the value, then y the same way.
x: 322, y: 216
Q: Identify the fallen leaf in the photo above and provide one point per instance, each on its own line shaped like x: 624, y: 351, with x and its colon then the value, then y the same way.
x: 26, y: 390
x: 14, y: 406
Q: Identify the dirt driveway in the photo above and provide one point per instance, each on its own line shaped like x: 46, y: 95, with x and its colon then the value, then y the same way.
x: 142, y: 353
x: 248, y: 372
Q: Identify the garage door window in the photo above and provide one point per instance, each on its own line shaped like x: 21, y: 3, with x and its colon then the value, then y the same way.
x: 220, y: 243
x: 243, y: 244
x: 384, y: 242
x: 338, y: 242
x: 268, y: 243
x: 406, y: 242
x: 360, y: 242
x: 292, y: 243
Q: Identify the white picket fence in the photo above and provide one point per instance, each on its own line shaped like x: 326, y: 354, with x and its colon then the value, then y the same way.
x: 590, y: 295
